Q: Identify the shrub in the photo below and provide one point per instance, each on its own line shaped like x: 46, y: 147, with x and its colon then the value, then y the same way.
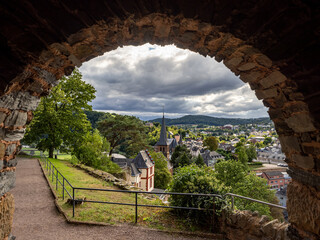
x: 195, y: 179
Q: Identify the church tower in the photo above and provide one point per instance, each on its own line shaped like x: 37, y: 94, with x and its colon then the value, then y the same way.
x: 162, y: 145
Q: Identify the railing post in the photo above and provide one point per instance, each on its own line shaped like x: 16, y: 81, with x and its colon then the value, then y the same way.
x: 57, y: 180
x: 52, y: 172
x: 136, y: 208
x: 232, y: 203
x: 73, y: 202
x: 62, y: 188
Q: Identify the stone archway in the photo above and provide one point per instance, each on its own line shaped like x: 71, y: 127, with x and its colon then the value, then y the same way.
x: 297, y: 127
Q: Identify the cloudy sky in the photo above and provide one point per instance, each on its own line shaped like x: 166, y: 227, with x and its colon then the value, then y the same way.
x: 141, y: 80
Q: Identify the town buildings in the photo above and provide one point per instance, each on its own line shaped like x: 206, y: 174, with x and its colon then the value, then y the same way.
x: 140, y: 170
x: 276, y: 179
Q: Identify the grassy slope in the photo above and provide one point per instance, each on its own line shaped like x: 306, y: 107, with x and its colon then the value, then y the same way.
x: 113, y: 214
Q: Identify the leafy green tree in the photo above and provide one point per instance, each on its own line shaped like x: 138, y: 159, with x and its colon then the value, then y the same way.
x: 162, y: 176
x: 177, y: 155
x: 235, y: 175
x: 184, y: 160
x: 230, y: 172
x: 251, y: 152
x: 94, y: 117
x: 267, y: 140
x: 227, y: 154
x: 211, y: 143
x: 194, y: 179
x: 89, y: 151
x: 60, y: 118
x: 253, y: 187
x: 199, y: 161
x: 242, y: 154
x: 127, y: 130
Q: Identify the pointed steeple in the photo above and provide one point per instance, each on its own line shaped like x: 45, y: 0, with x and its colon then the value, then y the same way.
x: 163, y: 134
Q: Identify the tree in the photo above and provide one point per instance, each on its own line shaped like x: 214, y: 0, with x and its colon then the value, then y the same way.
x: 267, y: 140
x: 230, y: 172
x: 181, y: 156
x: 184, y: 160
x: 199, y: 161
x: 60, y: 118
x: 89, y: 151
x: 251, y: 152
x: 194, y: 179
x: 242, y: 154
x: 126, y: 130
x: 234, y: 175
x: 162, y: 176
x: 211, y: 143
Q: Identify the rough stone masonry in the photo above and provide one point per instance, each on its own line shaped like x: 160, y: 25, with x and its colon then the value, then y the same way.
x: 272, y: 46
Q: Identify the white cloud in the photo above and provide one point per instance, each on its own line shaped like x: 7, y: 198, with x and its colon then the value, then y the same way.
x: 140, y: 80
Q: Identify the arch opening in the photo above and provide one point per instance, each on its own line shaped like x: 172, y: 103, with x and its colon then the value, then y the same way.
x: 295, y: 125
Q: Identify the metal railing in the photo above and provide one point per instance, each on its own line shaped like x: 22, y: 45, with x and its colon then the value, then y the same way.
x: 53, y: 172
x: 252, y: 200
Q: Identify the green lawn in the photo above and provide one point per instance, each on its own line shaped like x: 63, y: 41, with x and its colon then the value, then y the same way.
x: 113, y: 214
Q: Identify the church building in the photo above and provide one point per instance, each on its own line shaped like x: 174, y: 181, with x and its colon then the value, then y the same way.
x: 165, y: 145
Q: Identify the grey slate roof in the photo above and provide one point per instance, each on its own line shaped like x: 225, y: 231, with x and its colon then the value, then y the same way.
x: 142, y: 160
x: 163, y: 135
x: 126, y: 162
x: 271, y: 174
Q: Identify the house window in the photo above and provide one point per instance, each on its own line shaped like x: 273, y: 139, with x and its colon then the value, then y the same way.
x: 276, y: 181
x: 151, y: 182
x: 280, y: 180
x: 271, y: 181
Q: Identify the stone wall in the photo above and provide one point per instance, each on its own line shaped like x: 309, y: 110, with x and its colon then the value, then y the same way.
x: 271, y: 46
x: 243, y: 225
x: 6, y: 215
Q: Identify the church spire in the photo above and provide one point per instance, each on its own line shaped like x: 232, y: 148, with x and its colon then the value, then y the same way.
x: 163, y: 134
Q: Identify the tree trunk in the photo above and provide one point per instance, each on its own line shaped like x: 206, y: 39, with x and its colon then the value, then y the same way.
x: 110, y: 153
x: 51, y: 152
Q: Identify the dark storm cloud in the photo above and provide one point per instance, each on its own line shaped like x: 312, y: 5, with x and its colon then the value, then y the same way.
x: 128, y: 79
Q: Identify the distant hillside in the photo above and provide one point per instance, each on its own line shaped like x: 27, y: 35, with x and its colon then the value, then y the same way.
x: 214, y: 121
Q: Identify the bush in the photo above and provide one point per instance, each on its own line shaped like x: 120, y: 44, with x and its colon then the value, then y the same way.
x: 195, y: 179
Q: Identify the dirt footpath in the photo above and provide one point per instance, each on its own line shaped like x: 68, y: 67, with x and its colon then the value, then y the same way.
x: 37, y: 218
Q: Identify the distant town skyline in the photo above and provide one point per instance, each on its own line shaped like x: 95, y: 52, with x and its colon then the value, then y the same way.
x: 141, y: 80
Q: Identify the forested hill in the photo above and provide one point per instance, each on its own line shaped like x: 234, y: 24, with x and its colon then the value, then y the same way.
x: 206, y: 120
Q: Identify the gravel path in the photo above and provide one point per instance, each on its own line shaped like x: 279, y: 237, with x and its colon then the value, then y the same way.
x: 36, y: 216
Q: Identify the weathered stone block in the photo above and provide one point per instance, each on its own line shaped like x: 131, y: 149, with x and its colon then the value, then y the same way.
x: 303, y: 207
x: 13, y: 135
x: 273, y: 79
x: 75, y: 60
x: 275, y: 113
x: 247, y: 67
x: 19, y: 100
x: 46, y: 76
x: 10, y: 163
x: 1, y: 164
x: 10, y: 149
x: 6, y: 215
x: 16, y: 119
x: 300, y: 123
x: 269, y: 93
x: 268, y: 229
x: 305, y: 162
x: 264, y: 61
x: 250, y: 77
x: 7, y: 181
x: 289, y: 144
x: 233, y: 62
x: 2, y: 150
x: 2, y: 117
